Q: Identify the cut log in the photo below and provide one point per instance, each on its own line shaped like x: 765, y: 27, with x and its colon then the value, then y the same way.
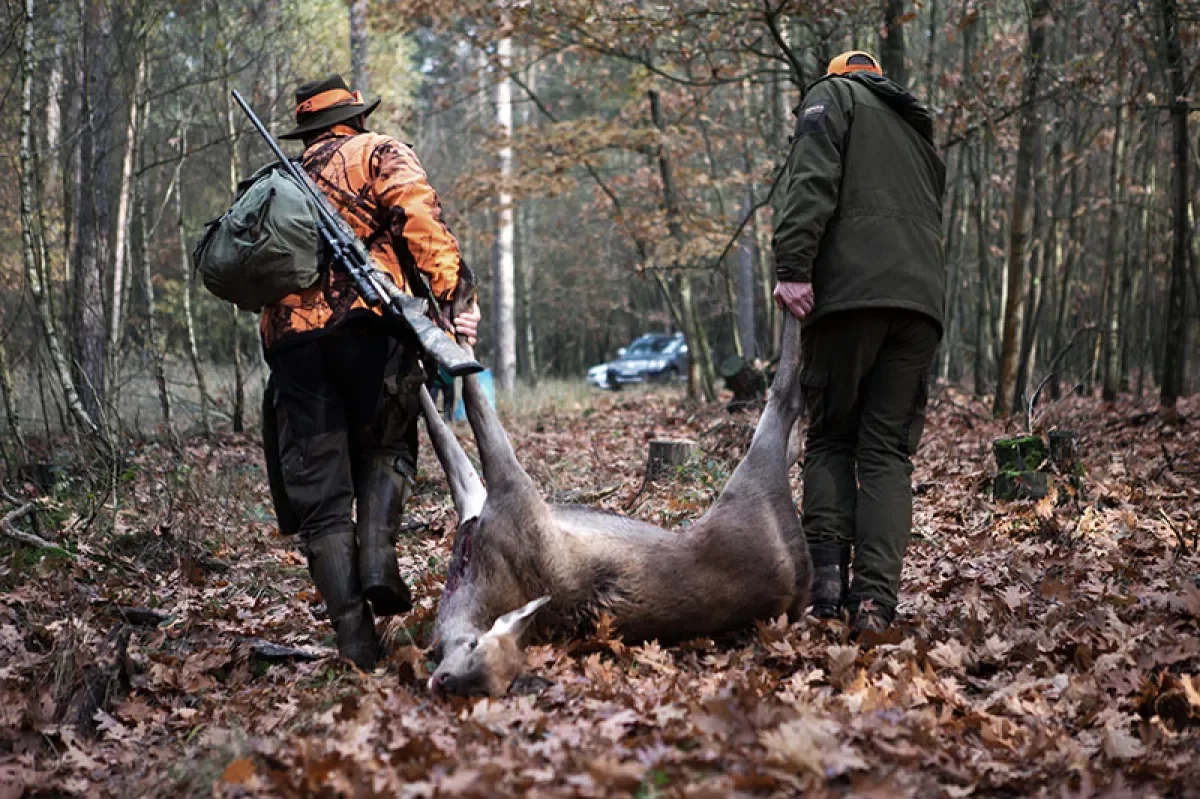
x: 747, y: 383
x: 666, y: 455
x: 1019, y: 454
x: 1017, y: 464
x: 1011, y: 486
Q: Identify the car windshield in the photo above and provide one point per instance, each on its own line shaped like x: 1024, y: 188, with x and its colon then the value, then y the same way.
x: 652, y: 346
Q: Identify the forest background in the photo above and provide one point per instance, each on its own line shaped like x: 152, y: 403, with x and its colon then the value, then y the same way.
x: 609, y: 170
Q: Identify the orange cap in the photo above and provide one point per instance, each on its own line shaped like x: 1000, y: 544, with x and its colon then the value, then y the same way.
x: 853, y: 61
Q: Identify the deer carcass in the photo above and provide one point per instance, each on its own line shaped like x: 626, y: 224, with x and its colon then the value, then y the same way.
x: 524, y: 569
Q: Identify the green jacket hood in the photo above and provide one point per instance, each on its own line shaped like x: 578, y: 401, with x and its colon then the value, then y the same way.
x: 901, y: 100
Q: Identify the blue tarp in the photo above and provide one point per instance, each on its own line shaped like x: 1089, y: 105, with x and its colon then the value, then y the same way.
x: 489, y: 391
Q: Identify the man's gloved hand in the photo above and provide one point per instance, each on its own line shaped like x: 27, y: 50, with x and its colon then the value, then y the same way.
x: 466, y: 324
x: 795, y: 297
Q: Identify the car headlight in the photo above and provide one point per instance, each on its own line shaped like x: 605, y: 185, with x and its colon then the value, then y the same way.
x: 656, y: 364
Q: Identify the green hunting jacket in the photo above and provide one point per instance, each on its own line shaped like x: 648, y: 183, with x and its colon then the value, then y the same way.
x: 862, y: 215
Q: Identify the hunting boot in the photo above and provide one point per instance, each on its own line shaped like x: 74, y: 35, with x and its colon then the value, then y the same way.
x: 829, y: 586
x: 869, y: 617
x: 333, y: 564
x: 382, y: 492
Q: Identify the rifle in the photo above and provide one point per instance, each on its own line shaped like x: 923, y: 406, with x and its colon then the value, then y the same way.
x: 373, y: 284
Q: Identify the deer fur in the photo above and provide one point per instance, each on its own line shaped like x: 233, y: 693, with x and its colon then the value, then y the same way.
x: 515, y: 555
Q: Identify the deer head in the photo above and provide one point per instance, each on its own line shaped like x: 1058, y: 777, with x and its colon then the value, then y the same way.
x: 487, y: 664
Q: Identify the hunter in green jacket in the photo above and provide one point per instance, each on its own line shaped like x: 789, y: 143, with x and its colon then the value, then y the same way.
x: 859, y: 258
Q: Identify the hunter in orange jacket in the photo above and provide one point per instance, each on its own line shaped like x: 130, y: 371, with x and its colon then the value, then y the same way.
x: 340, y: 416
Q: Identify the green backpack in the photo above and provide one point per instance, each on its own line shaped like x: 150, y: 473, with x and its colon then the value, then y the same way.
x: 265, y: 247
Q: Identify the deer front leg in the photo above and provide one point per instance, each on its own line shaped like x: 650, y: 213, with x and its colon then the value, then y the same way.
x: 501, y: 469
x: 466, y: 489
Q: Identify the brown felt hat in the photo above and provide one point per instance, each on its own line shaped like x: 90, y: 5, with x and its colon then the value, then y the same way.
x: 324, y: 103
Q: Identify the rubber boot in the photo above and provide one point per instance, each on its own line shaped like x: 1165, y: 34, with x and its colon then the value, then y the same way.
x: 333, y: 564
x: 382, y: 492
x: 830, y: 583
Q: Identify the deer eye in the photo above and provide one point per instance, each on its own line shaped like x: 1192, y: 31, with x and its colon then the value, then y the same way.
x: 474, y: 642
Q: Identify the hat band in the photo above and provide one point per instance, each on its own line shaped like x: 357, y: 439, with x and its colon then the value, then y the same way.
x: 330, y: 98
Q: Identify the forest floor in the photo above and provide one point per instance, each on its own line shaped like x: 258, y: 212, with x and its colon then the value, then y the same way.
x: 1044, y: 648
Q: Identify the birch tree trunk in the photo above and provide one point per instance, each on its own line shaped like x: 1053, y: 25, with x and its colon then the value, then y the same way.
x: 1013, y: 307
x: 121, y: 246
x: 506, y: 323
x: 359, y: 47
x: 188, y: 278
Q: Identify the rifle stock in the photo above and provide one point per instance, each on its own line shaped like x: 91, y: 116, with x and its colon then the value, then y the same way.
x: 374, y: 285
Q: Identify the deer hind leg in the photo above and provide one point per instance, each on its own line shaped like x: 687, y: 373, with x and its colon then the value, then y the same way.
x: 466, y: 488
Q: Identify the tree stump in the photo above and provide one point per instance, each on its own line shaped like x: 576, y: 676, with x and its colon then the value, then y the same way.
x: 666, y: 454
x: 1017, y: 464
x: 101, y: 681
x: 745, y: 381
x: 1064, y: 451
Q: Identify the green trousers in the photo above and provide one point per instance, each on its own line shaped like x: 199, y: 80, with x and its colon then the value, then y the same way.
x: 864, y: 376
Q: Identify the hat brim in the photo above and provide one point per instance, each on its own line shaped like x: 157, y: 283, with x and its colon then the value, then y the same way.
x: 330, y: 117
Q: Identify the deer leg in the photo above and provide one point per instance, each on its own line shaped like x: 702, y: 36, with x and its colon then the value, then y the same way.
x: 465, y: 486
x: 773, y: 446
x: 501, y: 469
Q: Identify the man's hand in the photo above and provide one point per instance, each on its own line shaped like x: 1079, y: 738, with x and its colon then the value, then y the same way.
x: 466, y: 324
x: 795, y: 297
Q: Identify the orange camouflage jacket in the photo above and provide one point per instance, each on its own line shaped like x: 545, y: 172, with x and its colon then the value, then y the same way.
x: 379, y: 187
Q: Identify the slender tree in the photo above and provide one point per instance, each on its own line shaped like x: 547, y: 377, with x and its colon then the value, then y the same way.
x: 1039, y: 18
x: 1176, y: 323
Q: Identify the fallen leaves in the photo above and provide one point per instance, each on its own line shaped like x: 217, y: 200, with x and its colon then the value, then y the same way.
x: 1045, y: 648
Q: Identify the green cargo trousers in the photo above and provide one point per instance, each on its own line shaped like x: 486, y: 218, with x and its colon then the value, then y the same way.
x: 864, y: 377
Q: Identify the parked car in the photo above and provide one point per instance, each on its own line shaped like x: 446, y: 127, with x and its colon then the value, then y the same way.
x: 655, y: 357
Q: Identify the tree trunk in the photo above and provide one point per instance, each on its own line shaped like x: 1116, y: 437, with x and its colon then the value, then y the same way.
x: 189, y: 317
x: 503, y: 283
x: 1176, y: 327
x: 34, y: 273
x: 982, y: 310
x: 1112, y: 283
x: 359, y: 42
x: 121, y: 246
x: 1037, y: 278
x: 892, y: 46
x: 526, y: 261
x: 239, y: 387
x: 14, y: 457
x: 1039, y: 16
x: 747, y: 324
x: 701, y: 375
x: 155, y: 341
x: 88, y: 334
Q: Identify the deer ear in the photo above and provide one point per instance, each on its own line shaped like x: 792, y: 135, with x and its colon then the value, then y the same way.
x: 514, y: 622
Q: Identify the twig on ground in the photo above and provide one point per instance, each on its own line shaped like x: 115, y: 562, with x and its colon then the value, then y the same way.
x: 9, y: 527
x: 1183, y: 545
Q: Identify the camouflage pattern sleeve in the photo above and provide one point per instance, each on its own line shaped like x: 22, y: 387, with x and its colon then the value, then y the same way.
x: 399, y: 184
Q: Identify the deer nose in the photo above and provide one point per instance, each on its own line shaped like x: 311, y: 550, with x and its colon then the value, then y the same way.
x: 442, y: 684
